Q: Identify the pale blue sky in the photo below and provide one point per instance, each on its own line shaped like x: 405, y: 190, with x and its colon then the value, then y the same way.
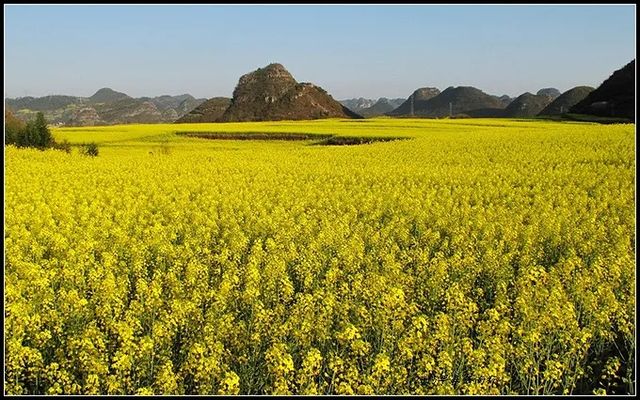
x: 351, y: 51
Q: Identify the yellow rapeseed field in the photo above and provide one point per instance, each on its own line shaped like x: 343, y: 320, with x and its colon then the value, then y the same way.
x: 474, y: 257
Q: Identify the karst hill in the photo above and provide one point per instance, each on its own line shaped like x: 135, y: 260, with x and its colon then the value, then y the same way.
x: 615, y: 97
x: 563, y: 103
x: 271, y: 94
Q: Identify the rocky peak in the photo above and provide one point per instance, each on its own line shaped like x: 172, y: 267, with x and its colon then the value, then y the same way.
x: 271, y: 93
x: 271, y: 82
x: 551, y: 92
x: 272, y: 72
x: 425, y: 93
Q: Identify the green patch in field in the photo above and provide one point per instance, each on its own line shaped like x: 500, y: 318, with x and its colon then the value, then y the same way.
x: 290, y: 136
x: 356, y: 140
x: 326, y: 139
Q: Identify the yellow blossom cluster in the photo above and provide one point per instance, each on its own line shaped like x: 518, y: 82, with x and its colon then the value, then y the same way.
x: 477, y: 257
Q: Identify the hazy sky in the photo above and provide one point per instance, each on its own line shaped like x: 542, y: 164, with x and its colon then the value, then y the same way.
x: 351, y: 51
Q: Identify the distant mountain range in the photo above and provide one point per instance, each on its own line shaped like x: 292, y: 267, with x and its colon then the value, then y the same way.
x: 271, y: 93
x: 357, y: 105
x: 381, y: 107
x: 105, y: 107
x: 467, y: 100
x: 371, y: 107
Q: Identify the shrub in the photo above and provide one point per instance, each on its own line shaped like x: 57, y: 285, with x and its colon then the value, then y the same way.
x: 90, y: 149
x: 64, y: 146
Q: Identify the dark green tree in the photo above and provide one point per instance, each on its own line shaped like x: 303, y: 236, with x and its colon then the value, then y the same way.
x: 38, y: 134
x: 31, y: 136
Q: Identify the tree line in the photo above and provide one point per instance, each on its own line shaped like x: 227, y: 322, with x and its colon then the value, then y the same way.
x: 35, y: 133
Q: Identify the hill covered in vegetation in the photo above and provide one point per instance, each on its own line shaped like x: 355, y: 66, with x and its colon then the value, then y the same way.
x: 209, y: 111
x: 527, y: 105
x: 271, y: 94
x: 615, y: 97
x: 566, y: 100
x: 430, y: 102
